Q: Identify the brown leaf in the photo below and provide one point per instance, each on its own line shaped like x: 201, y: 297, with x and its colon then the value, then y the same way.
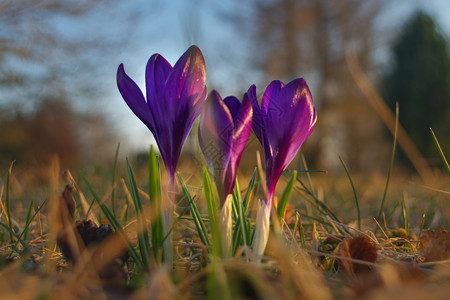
x: 388, y: 277
x: 108, y: 249
x: 359, y: 248
x: 66, y: 239
x: 435, y: 244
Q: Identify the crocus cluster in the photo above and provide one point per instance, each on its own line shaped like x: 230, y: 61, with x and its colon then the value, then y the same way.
x: 174, y: 98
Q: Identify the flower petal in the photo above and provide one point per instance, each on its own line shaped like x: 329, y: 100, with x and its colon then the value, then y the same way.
x: 271, y: 92
x: 233, y: 105
x: 186, y: 82
x: 258, y: 114
x: 242, y: 129
x: 216, y: 134
x: 306, y: 123
x: 156, y: 74
x: 242, y: 125
x: 287, y: 117
x: 289, y: 112
x: 133, y: 96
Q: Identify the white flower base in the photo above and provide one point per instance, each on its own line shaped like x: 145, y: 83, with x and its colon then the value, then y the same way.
x: 226, y: 227
x: 262, y: 229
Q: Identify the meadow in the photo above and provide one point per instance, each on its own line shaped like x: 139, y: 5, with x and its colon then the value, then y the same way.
x: 228, y: 202
x: 334, y: 240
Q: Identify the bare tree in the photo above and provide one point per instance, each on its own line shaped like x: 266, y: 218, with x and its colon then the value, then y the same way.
x: 62, y: 50
x: 308, y: 38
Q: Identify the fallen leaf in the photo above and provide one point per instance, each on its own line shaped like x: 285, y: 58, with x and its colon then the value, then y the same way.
x: 358, y: 248
x: 435, y: 244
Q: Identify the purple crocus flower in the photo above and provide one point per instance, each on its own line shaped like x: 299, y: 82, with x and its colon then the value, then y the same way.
x: 285, y: 119
x: 225, y: 127
x: 282, y: 123
x: 174, y: 98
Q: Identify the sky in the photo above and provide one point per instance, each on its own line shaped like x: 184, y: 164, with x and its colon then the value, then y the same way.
x: 212, y: 32
x: 134, y: 30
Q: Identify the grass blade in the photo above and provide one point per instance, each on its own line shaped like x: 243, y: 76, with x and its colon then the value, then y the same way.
x: 8, y: 209
x: 320, y: 206
x: 405, y: 213
x: 27, y: 220
x: 23, y: 235
x: 113, y: 185
x: 115, y: 225
x: 358, y: 210
x: 285, y: 196
x: 154, y: 192
x: 241, y: 207
x: 248, y: 193
x: 391, y: 165
x: 12, y: 233
x: 144, y: 243
x: 198, y: 221
x: 212, y: 213
x: 438, y: 146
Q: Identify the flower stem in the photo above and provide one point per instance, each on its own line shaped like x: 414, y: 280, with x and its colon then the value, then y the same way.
x: 167, y: 213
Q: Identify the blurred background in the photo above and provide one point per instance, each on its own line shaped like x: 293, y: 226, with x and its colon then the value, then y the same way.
x: 58, y: 62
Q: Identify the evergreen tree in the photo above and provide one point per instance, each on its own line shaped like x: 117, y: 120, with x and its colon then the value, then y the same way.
x: 420, y: 81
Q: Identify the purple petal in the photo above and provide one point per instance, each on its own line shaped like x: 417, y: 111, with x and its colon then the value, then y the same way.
x: 306, y: 123
x: 271, y: 92
x: 233, y: 105
x: 156, y: 74
x: 286, y: 114
x: 186, y: 82
x: 242, y: 122
x: 241, y: 133
x: 133, y: 97
x: 258, y: 114
x: 216, y: 134
x: 242, y: 127
x: 290, y: 119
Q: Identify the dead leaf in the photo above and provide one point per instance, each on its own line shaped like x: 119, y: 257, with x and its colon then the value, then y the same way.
x: 435, y: 244
x: 358, y: 248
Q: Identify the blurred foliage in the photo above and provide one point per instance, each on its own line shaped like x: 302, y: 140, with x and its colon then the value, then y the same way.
x: 50, y: 130
x: 420, y: 81
x: 53, y: 129
x: 309, y: 39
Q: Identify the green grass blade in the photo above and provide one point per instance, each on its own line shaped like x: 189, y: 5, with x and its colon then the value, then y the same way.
x: 8, y: 208
x: 115, y: 225
x: 248, y: 193
x: 27, y: 224
x: 217, y: 283
x: 321, y: 207
x: 391, y: 166
x: 213, y: 213
x: 144, y: 243
x: 27, y: 220
x: 285, y: 196
x: 154, y: 192
x: 241, y: 220
x: 305, y: 165
x: 113, y: 184
x: 358, y: 210
x: 441, y: 153
x: 198, y: 221
x: 13, y: 234
x: 405, y: 213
